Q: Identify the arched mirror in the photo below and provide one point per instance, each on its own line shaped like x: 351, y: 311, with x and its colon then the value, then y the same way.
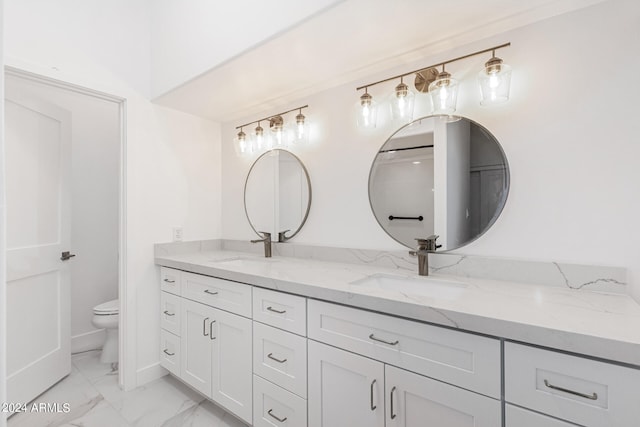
x: 439, y: 175
x: 277, y: 195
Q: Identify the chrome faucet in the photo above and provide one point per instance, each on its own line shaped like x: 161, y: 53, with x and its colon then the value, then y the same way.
x: 425, y: 247
x: 267, y: 243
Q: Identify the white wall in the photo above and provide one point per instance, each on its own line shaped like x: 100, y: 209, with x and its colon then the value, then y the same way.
x: 172, y: 158
x: 189, y: 38
x: 95, y: 183
x: 569, y: 132
x: 3, y: 233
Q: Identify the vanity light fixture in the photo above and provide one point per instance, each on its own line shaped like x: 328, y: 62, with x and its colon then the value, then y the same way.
x: 444, y: 93
x: 241, y: 144
x: 494, y: 79
x: 279, y: 135
x: 259, y: 139
x: 402, y: 102
x: 366, y: 110
x: 300, y: 129
x: 278, y: 139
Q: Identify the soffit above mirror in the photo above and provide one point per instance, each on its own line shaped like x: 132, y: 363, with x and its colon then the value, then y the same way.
x: 314, y: 63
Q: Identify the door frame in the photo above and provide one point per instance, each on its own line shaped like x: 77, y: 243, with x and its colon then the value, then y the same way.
x: 127, y: 328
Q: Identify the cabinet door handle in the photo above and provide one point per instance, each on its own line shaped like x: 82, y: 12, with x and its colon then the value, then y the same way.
x: 204, y: 326
x: 277, y: 418
x: 169, y: 314
x: 392, y: 414
x: 373, y: 407
x: 270, y: 356
x: 168, y: 353
x: 207, y: 291
x: 276, y: 311
x: 169, y: 281
x: 211, y: 337
x: 592, y: 396
x: 383, y: 341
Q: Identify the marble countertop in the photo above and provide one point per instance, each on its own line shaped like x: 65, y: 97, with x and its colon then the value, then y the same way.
x: 591, y: 323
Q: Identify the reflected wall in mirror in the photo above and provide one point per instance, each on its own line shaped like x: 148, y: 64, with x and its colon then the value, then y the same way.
x: 277, y: 195
x: 442, y: 175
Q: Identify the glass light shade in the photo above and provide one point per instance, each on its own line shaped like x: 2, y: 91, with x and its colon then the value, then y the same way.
x: 495, y: 83
x: 367, y: 111
x: 299, y: 130
x: 278, y: 138
x: 260, y: 141
x: 402, y: 103
x: 242, y: 145
x: 444, y: 94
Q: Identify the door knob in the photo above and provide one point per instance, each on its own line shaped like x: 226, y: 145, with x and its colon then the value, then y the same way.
x: 66, y: 255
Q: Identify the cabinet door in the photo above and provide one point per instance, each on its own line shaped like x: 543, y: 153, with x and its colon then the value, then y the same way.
x: 345, y: 390
x: 413, y: 400
x: 231, y: 364
x: 195, y: 343
x: 518, y: 417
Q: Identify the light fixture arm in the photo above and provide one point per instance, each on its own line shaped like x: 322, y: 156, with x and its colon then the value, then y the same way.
x: 272, y: 116
x: 480, y: 52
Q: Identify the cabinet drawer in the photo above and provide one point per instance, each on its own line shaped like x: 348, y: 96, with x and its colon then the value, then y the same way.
x: 466, y: 360
x: 280, y: 357
x: 224, y: 294
x: 170, y: 352
x: 583, y: 391
x: 518, y: 417
x: 170, y: 280
x: 284, y: 311
x: 274, y: 406
x: 170, y: 312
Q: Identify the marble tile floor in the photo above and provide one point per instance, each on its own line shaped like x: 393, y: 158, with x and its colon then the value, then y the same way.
x: 96, y: 401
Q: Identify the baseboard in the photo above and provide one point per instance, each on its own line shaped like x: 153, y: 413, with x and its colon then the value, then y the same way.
x: 87, y: 341
x: 150, y: 373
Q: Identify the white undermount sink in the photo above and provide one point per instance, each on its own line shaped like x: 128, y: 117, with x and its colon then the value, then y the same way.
x: 243, y: 261
x: 419, y: 286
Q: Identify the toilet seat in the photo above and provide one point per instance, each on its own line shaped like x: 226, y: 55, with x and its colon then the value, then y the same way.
x: 107, y: 308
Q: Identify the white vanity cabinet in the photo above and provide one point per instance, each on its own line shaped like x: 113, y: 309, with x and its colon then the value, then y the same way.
x: 211, y: 350
x: 349, y: 390
x: 345, y: 389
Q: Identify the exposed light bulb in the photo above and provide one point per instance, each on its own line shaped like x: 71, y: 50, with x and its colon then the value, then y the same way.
x: 366, y: 111
x: 402, y: 103
x: 495, y: 82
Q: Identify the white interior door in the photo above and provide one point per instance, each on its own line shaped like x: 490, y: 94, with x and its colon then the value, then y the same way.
x: 38, y: 143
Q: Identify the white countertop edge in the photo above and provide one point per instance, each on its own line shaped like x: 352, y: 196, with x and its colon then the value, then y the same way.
x: 593, y: 345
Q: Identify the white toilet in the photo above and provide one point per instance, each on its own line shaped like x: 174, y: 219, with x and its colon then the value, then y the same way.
x: 107, y: 316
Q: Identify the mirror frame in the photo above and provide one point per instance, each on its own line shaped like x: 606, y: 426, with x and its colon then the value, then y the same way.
x: 507, y: 179
x: 244, y: 199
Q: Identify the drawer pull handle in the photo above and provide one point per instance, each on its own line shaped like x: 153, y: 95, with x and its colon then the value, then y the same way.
x: 383, y: 341
x: 204, y: 326
x: 211, y: 337
x: 168, y: 353
x: 169, y: 314
x: 373, y: 407
x: 270, y: 356
x: 393, y: 416
x: 273, y: 416
x: 276, y: 311
x: 207, y: 291
x: 169, y: 281
x: 593, y: 396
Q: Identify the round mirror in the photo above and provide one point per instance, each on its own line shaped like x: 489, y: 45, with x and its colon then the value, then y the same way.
x: 277, y: 195
x: 439, y: 175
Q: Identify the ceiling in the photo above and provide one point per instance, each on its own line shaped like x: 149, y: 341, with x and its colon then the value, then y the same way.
x: 349, y: 41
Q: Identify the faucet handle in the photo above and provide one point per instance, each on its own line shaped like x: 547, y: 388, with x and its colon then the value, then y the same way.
x: 266, y: 237
x: 282, y: 236
x: 265, y: 234
x: 428, y: 244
